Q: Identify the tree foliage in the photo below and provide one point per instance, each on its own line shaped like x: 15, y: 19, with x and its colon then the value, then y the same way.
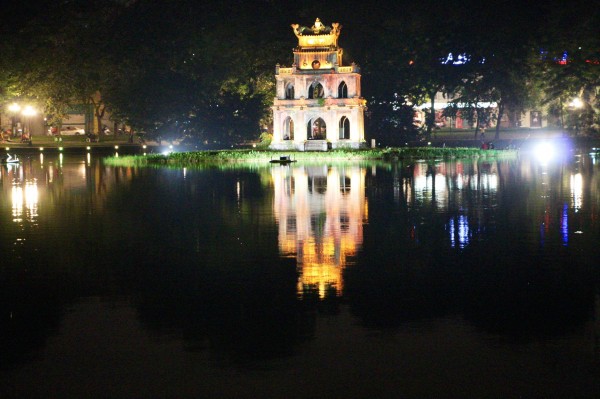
x: 205, y: 69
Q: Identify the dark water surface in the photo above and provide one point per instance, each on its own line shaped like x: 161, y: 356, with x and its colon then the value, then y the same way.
x: 463, y: 279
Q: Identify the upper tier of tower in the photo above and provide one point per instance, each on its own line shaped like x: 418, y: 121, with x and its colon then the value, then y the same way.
x: 317, y: 46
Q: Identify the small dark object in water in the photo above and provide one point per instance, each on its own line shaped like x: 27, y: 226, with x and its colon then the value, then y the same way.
x: 283, y: 160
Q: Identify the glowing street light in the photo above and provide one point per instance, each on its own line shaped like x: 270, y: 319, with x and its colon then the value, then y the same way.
x: 28, y: 112
x: 576, y: 103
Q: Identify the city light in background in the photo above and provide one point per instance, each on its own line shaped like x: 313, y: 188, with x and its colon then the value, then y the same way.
x: 26, y: 113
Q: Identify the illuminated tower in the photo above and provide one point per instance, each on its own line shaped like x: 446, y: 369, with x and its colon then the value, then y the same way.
x: 318, y: 103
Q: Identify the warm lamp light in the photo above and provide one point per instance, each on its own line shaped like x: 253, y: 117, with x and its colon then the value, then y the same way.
x: 29, y: 111
x: 14, y: 107
x: 576, y: 103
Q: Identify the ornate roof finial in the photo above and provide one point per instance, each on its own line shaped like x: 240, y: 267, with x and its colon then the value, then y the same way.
x: 317, y: 27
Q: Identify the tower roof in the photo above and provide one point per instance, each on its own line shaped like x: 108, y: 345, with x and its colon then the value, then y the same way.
x: 318, y: 35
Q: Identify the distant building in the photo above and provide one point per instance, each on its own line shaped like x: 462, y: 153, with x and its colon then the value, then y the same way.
x: 14, y: 122
x: 318, y: 104
x: 526, y: 118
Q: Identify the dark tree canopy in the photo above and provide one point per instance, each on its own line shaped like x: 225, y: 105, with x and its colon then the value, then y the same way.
x: 206, y: 69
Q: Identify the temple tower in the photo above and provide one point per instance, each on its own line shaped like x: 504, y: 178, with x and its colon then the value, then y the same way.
x: 318, y: 104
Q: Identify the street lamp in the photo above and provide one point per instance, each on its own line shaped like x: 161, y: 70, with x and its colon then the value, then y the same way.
x: 575, y: 105
x: 28, y: 112
x: 14, y: 109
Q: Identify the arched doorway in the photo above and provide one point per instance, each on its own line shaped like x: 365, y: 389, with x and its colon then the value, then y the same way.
x: 316, y: 90
x: 288, y: 129
x: 343, y: 90
x: 289, y: 92
x: 316, y: 129
x: 344, y: 128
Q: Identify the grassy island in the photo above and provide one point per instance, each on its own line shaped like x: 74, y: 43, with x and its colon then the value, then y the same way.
x: 187, y: 159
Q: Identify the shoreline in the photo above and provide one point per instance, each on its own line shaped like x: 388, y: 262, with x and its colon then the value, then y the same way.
x: 444, y: 141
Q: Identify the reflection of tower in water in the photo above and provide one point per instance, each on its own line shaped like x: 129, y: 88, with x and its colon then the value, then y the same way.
x: 320, y: 211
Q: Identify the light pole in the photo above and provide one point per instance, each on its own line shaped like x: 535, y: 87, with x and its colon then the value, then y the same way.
x: 576, y: 104
x: 14, y: 109
x: 28, y: 112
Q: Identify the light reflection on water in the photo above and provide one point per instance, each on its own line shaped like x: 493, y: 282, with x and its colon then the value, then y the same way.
x: 320, y: 212
x: 278, y: 266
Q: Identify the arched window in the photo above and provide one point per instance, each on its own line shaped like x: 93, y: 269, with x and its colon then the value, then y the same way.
x: 289, y: 92
x: 343, y: 90
x: 344, y: 128
x: 316, y: 90
x: 316, y: 129
x: 288, y: 129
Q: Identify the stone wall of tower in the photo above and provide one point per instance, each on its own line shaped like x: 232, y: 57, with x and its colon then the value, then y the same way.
x: 335, y: 118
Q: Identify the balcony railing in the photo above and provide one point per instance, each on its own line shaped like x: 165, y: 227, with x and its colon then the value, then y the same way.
x: 325, y: 102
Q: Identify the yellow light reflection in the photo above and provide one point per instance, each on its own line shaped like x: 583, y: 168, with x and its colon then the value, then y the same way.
x: 320, y: 214
x: 82, y: 170
x: 25, y: 202
x: 17, y: 204
x: 576, y: 191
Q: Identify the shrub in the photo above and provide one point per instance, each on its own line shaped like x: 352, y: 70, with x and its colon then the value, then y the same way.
x: 265, y: 139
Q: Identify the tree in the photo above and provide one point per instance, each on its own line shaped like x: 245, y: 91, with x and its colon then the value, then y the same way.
x: 59, y: 55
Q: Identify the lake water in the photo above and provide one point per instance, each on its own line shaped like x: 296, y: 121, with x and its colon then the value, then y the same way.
x: 453, y: 279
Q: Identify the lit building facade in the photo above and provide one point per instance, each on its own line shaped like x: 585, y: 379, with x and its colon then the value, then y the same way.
x: 318, y: 104
x: 526, y: 118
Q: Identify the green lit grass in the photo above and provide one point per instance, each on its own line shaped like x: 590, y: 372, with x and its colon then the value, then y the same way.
x: 205, y: 158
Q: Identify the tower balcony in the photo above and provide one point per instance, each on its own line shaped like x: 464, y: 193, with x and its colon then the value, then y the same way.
x: 319, y: 102
x: 279, y: 70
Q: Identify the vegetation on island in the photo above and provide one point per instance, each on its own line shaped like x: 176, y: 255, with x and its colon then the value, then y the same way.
x: 202, y: 158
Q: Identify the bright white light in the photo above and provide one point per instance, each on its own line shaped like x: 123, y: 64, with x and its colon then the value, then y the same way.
x: 29, y: 111
x: 544, y: 152
x: 576, y: 103
x: 14, y: 107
